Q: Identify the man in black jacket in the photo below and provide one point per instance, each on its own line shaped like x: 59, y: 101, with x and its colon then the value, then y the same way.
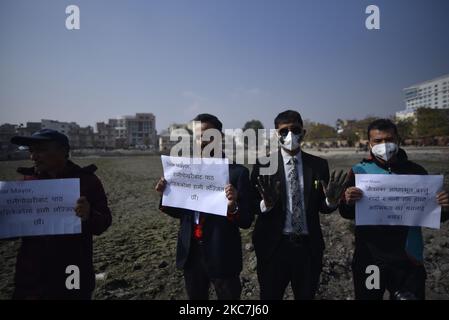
x: 397, y: 251
x: 209, y: 246
x: 287, y: 236
x: 42, y: 261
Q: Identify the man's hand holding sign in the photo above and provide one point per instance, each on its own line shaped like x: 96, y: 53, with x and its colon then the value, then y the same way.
x: 205, y: 178
x: 354, y: 194
x: 83, y: 208
x: 230, y: 192
x: 410, y: 200
x: 41, y: 207
x: 378, y: 193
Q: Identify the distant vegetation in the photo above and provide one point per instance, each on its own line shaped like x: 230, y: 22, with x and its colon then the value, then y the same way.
x: 429, y: 126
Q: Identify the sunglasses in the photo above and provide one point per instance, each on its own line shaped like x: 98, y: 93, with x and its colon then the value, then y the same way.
x: 295, y: 130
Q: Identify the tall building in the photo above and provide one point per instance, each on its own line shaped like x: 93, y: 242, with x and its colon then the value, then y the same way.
x: 105, y: 137
x: 7, y: 131
x: 136, y: 131
x: 63, y: 127
x: 81, y: 137
x: 428, y: 94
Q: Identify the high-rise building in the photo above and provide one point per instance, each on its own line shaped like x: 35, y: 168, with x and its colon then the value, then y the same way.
x: 106, y: 136
x: 136, y: 131
x: 7, y: 131
x: 81, y: 137
x: 428, y: 94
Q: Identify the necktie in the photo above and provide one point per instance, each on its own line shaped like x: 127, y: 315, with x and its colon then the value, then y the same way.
x: 298, y: 216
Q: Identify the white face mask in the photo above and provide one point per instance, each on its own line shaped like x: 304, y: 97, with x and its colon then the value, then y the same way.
x: 291, y: 142
x: 385, y: 151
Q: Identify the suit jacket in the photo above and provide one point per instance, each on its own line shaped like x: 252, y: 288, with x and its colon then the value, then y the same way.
x: 221, y: 235
x: 269, y: 225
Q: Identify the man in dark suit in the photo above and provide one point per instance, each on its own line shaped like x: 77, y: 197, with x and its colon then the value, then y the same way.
x: 287, y: 236
x: 209, y: 246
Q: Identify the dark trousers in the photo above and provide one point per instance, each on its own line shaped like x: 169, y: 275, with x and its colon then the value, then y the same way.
x: 197, y: 279
x: 293, y: 263
x: 403, y: 276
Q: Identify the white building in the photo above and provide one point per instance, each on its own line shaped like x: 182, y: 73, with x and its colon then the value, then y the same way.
x: 136, y: 131
x: 429, y: 94
x: 405, y: 114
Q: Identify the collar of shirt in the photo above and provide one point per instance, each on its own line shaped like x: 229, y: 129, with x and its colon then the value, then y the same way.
x: 196, y: 217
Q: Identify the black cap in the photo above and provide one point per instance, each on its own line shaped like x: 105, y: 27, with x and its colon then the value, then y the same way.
x: 41, y: 136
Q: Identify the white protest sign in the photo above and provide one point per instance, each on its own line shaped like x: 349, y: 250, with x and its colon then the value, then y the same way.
x: 39, y: 207
x: 408, y: 200
x: 196, y: 183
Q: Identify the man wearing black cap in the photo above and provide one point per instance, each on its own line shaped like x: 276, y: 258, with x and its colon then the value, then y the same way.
x: 42, y: 260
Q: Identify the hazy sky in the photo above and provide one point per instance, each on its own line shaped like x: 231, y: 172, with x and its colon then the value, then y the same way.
x: 237, y: 59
